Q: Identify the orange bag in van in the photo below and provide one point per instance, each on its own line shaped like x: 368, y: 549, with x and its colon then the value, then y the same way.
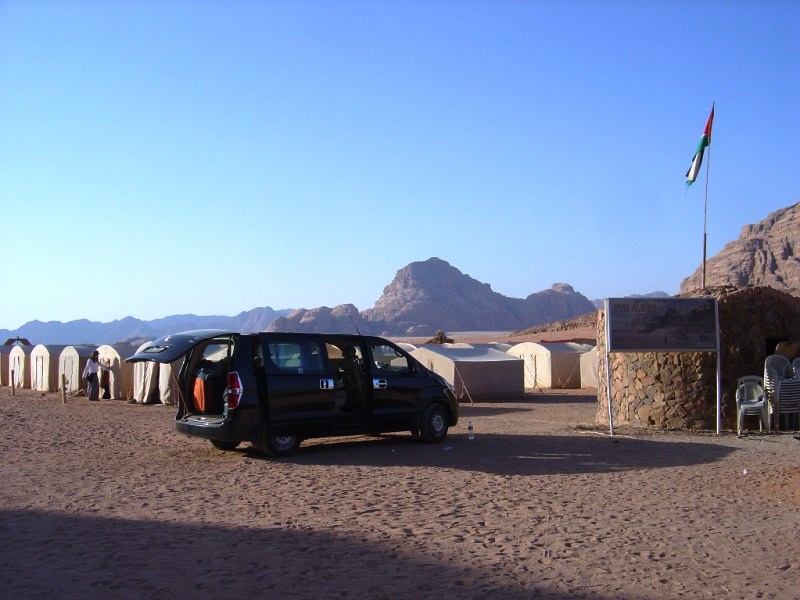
x: 199, y: 394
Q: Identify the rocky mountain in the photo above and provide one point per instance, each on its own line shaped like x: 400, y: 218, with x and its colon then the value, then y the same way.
x: 257, y: 319
x: 344, y: 318
x: 764, y: 255
x: 432, y: 295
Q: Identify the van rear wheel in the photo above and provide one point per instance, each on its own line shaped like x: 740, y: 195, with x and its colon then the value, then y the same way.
x: 433, y: 426
x: 278, y: 446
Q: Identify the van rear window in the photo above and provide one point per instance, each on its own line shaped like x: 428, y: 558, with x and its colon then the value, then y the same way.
x: 154, y: 349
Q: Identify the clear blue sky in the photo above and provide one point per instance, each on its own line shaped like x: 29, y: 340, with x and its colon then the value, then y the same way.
x: 211, y: 156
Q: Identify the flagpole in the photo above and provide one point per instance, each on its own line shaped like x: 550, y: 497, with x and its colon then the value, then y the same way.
x: 705, y: 207
x: 705, y: 218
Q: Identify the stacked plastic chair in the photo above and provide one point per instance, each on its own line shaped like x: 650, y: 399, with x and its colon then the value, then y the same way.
x: 752, y: 400
x: 789, y: 399
x: 776, y: 368
x: 796, y: 367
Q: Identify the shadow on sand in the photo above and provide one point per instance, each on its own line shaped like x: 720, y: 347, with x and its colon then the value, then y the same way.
x: 521, y: 455
x: 70, y: 557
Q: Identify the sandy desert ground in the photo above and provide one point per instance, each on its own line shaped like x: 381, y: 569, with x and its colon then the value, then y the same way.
x: 104, y: 500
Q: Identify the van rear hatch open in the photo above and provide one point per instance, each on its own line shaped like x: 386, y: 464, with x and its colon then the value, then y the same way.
x: 173, y: 346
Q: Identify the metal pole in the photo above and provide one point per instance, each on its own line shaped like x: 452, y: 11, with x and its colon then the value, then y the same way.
x: 719, y: 370
x: 608, y: 373
x: 705, y: 214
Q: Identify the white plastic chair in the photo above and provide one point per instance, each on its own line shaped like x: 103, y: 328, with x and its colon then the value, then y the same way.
x: 752, y: 400
x: 789, y: 398
x: 796, y: 367
x: 776, y: 368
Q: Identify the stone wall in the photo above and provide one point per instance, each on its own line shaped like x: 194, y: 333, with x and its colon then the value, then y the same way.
x: 679, y: 390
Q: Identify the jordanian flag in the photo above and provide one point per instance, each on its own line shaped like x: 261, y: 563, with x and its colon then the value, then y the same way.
x: 697, y: 161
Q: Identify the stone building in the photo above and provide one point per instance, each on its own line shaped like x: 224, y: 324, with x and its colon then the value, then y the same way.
x: 679, y: 390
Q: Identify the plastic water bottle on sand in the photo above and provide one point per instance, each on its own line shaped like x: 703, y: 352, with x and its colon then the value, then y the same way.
x: 470, y: 431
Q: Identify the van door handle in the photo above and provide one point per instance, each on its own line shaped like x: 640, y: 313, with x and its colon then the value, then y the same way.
x: 380, y: 384
x: 326, y: 384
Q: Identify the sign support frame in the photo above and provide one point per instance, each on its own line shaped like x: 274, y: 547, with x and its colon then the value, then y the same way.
x: 676, y: 333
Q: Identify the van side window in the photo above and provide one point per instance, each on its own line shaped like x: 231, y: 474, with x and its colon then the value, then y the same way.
x: 294, y: 357
x: 388, y: 358
x: 337, y: 354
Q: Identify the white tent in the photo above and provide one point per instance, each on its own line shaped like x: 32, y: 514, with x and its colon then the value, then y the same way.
x: 71, y: 362
x: 5, y: 351
x: 120, y: 375
x: 154, y: 382
x: 589, y: 366
x: 145, y: 380
x: 44, y: 367
x: 551, y: 364
x: 168, y: 382
x: 19, y: 360
x: 475, y: 371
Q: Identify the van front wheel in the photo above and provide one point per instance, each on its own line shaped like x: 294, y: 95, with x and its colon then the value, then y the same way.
x: 278, y: 446
x: 433, y: 426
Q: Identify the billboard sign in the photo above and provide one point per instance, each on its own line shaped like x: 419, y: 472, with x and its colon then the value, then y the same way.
x: 661, y: 324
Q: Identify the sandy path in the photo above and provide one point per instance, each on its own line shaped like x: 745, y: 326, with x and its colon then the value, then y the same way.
x: 105, y: 500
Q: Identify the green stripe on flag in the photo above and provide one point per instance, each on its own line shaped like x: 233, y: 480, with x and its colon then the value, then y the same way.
x: 697, y: 160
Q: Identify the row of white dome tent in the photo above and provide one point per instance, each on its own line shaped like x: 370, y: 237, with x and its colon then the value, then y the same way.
x: 56, y: 368
x: 474, y: 370
x: 22, y: 368
x: 500, y: 370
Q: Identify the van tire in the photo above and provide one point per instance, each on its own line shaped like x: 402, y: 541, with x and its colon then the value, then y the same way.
x: 278, y: 446
x: 220, y: 445
x: 433, y: 425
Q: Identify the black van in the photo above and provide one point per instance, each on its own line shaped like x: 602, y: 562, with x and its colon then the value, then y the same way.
x: 276, y: 389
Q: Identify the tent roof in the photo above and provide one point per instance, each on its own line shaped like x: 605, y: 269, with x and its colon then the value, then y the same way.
x: 80, y: 349
x: 123, y: 351
x: 468, y: 352
x: 552, y: 347
x: 48, y: 349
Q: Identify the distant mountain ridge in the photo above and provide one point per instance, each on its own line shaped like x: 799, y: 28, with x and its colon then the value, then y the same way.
x: 83, y: 331
x: 599, y: 302
x: 423, y: 298
x: 432, y: 295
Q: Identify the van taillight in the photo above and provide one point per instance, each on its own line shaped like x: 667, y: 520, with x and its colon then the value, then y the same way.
x: 233, y: 390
